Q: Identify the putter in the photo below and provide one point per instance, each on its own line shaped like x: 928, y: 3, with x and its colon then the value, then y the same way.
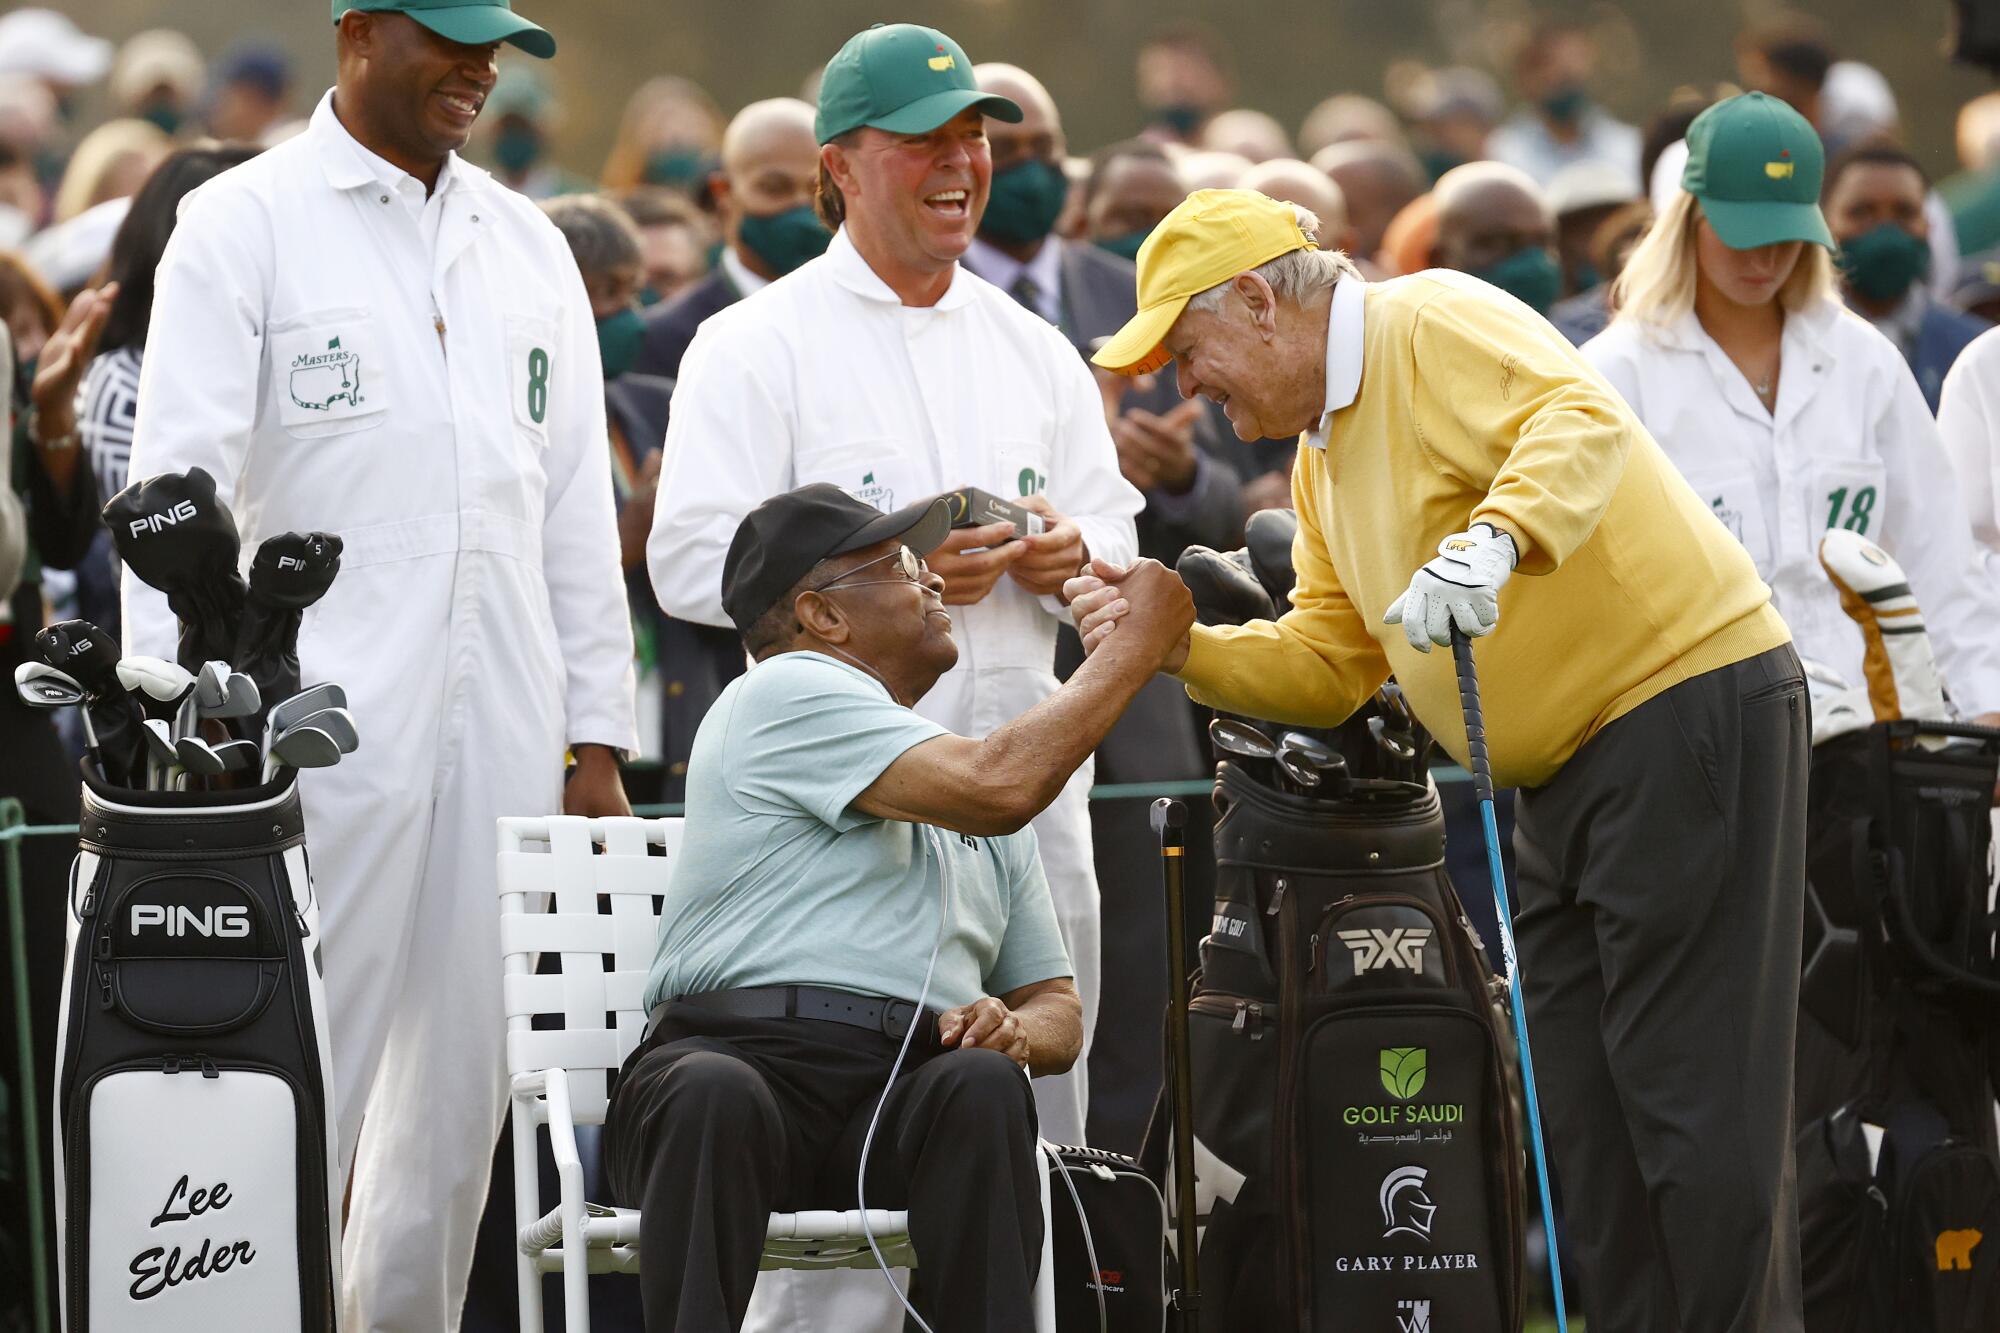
x: 1482, y: 785
x: 159, y: 685
x: 1169, y: 819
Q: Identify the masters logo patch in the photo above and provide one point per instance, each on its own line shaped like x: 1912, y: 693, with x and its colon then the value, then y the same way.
x: 321, y: 379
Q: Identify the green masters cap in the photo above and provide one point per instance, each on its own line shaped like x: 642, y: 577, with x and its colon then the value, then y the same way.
x: 469, y: 22
x: 1756, y: 165
x: 903, y: 78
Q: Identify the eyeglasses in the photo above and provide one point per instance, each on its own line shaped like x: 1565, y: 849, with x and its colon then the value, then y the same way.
x: 912, y: 567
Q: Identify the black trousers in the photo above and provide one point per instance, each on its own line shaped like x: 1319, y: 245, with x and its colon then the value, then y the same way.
x: 718, y: 1121
x: 1662, y: 880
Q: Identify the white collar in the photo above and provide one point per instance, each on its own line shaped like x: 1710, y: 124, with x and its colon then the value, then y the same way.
x: 350, y: 164
x: 740, y: 274
x: 1343, y: 352
x: 846, y: 267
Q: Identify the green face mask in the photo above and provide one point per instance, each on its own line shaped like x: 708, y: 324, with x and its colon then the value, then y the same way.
x: 1881, y: 264
x: 679, y: 167
x: 1179, y: 118
x: 785, y: 240
x: 516, y: 148
x: 1027, y: 199
x: 618, y: 339
x: 1531, y: 276
x: 1126, y: 246
x: 164, y: 115
x: 1566, y: 106
x: 648, y: 295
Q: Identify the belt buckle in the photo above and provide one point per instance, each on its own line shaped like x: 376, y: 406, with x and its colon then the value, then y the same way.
x: 897, y: 1018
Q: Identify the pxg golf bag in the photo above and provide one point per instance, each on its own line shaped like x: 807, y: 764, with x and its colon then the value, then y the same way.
x: 199, y: 1179
x: 1899, y: 1181
x: 1357, y: 1149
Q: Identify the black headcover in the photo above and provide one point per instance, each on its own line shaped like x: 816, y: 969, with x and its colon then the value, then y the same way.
x: 89, y: 656
x: 291, y: 571
x: 174, y: 532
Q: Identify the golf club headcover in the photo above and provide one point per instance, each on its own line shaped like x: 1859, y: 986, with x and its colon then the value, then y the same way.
x: 1896, y: 659
x: 84, y: 652
x: 175, y: 534
x: 89, y: 656
x: 1268, y: 537
x: 1225, y: 589
x: 291, y: 571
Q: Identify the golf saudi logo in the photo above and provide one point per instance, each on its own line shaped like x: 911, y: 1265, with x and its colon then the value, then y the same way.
x: 1404, y: 1071
x: 321, y: 379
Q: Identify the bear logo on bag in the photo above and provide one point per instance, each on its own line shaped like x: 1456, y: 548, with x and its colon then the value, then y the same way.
x: 1954, y: 1249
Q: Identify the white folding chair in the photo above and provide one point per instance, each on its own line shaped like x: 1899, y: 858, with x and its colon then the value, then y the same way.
x: 587, y: 890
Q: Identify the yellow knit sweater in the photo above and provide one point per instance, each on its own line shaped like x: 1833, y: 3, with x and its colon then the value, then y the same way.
x: 1469, y: 410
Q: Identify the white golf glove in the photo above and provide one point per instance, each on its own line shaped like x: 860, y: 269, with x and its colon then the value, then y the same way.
x: 1462, y: 587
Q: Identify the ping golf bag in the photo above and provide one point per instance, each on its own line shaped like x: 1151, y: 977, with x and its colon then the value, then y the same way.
x: 1357, y: 1155
x: 198, y: 1175
x: 1899, y: 1178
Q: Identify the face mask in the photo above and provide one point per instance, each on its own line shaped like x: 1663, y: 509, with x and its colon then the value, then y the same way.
x: 1126, y: 246
x: 784, y: 240
x: 681, y: 168
x: 1566, y: 106
x: 618, y: 341
x: 1026, y: 200
x: 649, y: 295
x: 516, y: 148
x: 1531, y: 276
x: 1881, y: 264
x: 163, y: 114
x: 1587, y: 276
x: 1437, y: 161
x: 1179, y: 118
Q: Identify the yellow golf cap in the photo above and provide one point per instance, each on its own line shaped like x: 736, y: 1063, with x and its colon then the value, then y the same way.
x: 1209, y: 238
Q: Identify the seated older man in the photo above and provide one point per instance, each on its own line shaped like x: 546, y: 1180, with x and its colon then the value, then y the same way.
x: 852, y: 872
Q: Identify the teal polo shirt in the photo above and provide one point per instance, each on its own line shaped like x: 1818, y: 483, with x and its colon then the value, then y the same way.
x: 780, y: 881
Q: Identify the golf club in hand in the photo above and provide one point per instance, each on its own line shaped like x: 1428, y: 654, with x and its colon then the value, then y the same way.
x: 291, y: 571
x: 174, y: 533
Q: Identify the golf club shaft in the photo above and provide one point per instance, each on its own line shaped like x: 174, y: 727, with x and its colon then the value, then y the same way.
x: 1482, y: 786
x: 1170, y: 819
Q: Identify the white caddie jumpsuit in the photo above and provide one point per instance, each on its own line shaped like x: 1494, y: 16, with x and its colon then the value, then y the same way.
x: 1851, y: 445
x: 421, y: 377
x: 826, y: 376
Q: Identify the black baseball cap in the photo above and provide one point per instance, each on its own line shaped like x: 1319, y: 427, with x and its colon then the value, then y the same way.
x: 779, y: 541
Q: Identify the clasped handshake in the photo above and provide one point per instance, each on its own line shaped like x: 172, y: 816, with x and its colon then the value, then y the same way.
x: 1146, y: 603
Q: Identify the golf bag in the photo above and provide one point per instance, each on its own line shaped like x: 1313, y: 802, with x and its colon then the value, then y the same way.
x: 1358, y: 1160
x: 1107, y: 1220
x: 1899, y: 1187
x: 198, y: 1185
x: 1358, y: 1153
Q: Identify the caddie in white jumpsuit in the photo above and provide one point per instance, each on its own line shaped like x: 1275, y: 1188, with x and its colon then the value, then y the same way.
x: 415, y: 369
x: 889, y: 370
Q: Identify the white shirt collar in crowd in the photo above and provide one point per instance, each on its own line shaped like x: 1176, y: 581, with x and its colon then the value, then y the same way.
x: 1004, y: 271
x: 1343, y: 353
x: 740, y: 274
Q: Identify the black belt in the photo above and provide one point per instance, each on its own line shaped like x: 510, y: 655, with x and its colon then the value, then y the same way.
x: 891, y: 1018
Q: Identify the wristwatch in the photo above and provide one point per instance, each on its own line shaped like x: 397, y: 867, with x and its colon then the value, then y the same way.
x: 61, y: 444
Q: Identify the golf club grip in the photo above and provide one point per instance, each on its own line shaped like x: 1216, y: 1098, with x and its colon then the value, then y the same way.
x: 1475, y: 721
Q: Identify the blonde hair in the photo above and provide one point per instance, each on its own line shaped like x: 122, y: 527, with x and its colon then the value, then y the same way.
x: 112, y: 161
x: 1657, y: 285
x: 693, y: 115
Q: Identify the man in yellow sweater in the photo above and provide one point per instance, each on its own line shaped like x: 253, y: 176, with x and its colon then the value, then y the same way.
x: 1643, y: 696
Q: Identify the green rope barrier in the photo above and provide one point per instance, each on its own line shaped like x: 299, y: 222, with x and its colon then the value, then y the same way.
x: 14, y: 827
